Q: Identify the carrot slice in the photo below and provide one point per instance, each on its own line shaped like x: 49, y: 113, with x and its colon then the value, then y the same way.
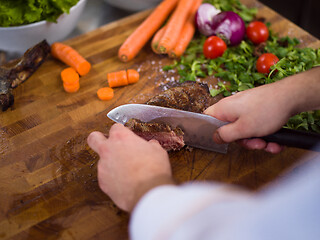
x: 71, y: 88
x: 187, y: 32
x: 156, y: 38
x: 105, y: 93
x: 70, y: 57
x: 117, y: 79
x: 175, y: 25
x: 69, y: 76
x: 133, y: 76
x: 135, y: 42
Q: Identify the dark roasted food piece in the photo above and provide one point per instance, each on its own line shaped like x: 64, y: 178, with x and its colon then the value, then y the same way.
x: 2, y: 58
x: 169, y: 139
x: 189, y: 96
x: 15, y: 73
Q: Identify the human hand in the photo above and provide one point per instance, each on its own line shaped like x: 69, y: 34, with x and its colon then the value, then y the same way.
x: 253, y: 113
x: 129, y: 166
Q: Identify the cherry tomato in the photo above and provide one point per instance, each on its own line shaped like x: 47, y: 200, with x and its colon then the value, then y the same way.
x: 265, y: 61
x: 214, y: 47
x: 257, y: 32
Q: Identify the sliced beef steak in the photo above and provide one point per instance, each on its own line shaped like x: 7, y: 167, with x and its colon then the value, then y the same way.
x: 169, y: 139
x: 189, y: 96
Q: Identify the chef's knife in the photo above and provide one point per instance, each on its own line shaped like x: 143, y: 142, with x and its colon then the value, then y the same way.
x: 199, y: 128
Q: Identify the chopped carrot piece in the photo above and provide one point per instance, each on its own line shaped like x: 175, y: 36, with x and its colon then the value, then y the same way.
x: 105, y: 93
x: 69, y: 76
x: 117, y: 79
x: 71, y: 88
x: 133, y: 76
x: 70, y: 57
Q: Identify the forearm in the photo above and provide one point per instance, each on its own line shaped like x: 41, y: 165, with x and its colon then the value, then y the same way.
x: 146, y: 186
x: 302, y: 91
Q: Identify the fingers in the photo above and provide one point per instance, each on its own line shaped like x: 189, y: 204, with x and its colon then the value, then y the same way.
x: 96, y: 140
x: 212, y: 111
x: 237, y: 132
x: 274, y: 148
x: 117, y: 130
x: 156, y: 145
x: 154, y: 141
x: 259, y: 144
x: 253, y: 144
x: 118, y: 133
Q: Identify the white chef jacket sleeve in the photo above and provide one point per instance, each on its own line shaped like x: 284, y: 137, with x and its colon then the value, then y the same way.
x: 289, y: 210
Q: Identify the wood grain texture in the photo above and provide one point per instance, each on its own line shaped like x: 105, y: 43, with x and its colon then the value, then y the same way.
x: 48, y: 180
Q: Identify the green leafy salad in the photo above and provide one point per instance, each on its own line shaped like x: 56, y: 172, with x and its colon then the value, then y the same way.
x: 20, y: 12
x: 236, y: 68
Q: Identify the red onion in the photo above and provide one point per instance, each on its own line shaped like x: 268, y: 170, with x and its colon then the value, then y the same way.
x: 203, y: 18
x: 229, y: 26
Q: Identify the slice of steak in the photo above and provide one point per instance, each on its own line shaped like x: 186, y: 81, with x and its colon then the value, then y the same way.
x: 169, y: 138
x: 189, y: 96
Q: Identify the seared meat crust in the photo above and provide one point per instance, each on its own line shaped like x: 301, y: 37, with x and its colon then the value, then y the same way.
x: 189, y: 96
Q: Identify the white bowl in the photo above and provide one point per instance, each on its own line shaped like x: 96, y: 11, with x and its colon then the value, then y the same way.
x: 133, y: 5
x: 19, y: 39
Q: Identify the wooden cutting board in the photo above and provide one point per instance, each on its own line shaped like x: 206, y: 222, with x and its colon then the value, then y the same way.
x: 48, y: 181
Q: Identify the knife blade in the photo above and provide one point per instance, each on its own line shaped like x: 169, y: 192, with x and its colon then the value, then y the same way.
x: 198, y: 128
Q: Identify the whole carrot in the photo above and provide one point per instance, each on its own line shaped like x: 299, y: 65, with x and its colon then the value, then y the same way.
x: 71, y: 57
x: 175, y: 25
x: 135, y: 42
x: 187, y: 32
x: 156, y: 38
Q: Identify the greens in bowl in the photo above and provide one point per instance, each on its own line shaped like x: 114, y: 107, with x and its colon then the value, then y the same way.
x: 21, y: 12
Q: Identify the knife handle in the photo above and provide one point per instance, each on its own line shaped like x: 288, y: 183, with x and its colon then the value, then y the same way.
x: 295, y: 138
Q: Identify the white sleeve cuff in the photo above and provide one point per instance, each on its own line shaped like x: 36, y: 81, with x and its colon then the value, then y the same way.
x: 163, y: 209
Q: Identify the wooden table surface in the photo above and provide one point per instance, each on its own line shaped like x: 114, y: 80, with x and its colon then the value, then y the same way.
x: 48, y: 181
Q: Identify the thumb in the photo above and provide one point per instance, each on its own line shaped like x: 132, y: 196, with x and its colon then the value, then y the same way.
x: 231, y: 132
x: 96, y: 140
